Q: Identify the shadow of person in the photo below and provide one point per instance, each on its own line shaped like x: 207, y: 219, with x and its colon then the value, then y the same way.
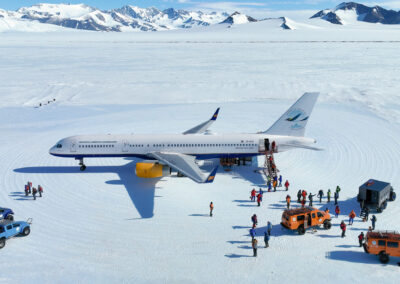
x: 141, y: 191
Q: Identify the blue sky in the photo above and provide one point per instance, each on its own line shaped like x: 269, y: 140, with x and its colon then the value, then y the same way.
x: 226, y: 5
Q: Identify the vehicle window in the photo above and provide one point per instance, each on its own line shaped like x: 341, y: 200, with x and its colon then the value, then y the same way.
x: 382, y: 243
x: 300, y: 218
x: 16, y: 225
x: 313, y: 215
x: 1, y: 229
x: 1, y: 211
x: 319, y: 214
x: 393, y: 244
x: 9, y: 227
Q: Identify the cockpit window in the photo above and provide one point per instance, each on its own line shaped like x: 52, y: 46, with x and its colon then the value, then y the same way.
x: 59, y: 146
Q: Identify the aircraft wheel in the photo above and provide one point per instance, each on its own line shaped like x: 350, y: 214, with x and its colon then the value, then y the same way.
x: 82, y: 168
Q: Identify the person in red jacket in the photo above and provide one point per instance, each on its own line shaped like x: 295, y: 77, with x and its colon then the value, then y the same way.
x: 304, y: 194
x: 303, y: 203
x: 337, y: 211
x: 40, y: 189
x: 287, y: 185
x: 254, y: 220
x: 361, y: 238
x: 343, y: 228
x: 288, y: 201
x: 259, y: 196
x: 26, y: 190
x: 253, y: 195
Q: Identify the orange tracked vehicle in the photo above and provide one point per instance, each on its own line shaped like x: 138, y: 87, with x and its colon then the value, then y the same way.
x: 301, y: 219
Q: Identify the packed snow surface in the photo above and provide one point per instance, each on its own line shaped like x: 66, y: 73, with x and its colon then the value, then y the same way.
x: 107, y: 225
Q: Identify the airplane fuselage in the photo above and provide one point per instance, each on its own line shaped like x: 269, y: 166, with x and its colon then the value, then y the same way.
x: 200, y: 146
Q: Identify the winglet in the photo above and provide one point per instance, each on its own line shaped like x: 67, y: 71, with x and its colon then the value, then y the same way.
x: 214, y: 117
x: 211, y: 177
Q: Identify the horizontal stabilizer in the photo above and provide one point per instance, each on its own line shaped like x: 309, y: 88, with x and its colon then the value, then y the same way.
x: 302, y: 146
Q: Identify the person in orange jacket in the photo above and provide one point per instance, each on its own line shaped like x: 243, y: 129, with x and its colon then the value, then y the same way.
x: 337, y: 211
x: 211, y: 209
x: 275, y: 185
x: 351, y: 217
x: 288, y: 201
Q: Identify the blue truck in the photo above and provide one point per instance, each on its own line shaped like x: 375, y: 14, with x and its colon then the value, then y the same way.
x: 9, y: 229
x: 6, y: 213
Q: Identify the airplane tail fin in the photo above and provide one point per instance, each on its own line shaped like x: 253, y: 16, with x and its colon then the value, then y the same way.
x: 293, y: 122
x: 211, y: 177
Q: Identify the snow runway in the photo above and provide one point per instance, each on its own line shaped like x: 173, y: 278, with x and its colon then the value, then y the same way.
x: 105, y: 225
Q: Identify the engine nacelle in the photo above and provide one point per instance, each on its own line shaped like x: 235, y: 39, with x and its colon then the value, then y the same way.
x: 152, y: 170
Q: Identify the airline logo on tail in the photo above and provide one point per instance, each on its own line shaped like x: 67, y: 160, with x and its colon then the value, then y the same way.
x: 297, y: 115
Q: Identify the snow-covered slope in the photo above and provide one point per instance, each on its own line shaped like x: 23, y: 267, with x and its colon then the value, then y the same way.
x: 350, y: 12
x: 238, y: 18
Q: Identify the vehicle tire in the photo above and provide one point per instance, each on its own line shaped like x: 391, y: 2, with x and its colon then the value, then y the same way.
x: 10, y: 217
x: 26, y: 231
x: 301, y: 230
x: 392, y: 196
x: 82, y: 168
x: 379, y: 210
x: 2, y: 243
x: 384, y: 205
x: 327, y: 225
x: 383, y: 257
x: 365, y: 247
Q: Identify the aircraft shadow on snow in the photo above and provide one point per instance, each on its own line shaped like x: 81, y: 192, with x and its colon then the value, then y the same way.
x: 141, y: 191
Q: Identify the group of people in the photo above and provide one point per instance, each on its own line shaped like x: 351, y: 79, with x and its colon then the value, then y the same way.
x: 253, y: 233
x: 30, y: 189
x: 275, y: 182
x: 302, y: 196
x: 254, y: 195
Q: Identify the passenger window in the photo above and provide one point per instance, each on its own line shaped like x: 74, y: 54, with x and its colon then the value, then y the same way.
x: 393, y: 244
x: 16, y: 225
x: 382, y: 243
x: 313, y: 215
x: 9, y: 227
x: 1, y: 229
x: 300, y: 218
x: 319, y: 214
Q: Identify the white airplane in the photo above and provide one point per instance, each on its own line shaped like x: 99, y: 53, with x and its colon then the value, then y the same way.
x: 180, y: 152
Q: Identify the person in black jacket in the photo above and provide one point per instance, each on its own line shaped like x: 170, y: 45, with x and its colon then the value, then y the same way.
x: 310, y: 198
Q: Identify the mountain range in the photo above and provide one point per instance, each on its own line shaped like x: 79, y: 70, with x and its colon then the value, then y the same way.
x: 131, y: 18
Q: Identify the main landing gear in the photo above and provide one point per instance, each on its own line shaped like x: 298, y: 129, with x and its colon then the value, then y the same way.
x: 83, y: 167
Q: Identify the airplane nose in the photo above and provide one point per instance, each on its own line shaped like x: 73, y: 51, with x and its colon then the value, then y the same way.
x: 51, y: 150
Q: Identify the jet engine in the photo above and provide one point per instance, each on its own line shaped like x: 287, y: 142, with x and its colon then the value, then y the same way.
x: 152, y: 170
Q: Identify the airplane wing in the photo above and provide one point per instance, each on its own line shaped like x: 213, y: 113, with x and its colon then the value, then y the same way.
x: 184, y: 164
x: 203, y: 126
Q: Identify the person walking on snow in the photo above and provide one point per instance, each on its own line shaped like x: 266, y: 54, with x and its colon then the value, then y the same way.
x: 211, y: 209
x: 303, y: 203
x: 287, y: 185
x: 259, y: 196
x: 30, y: 187
x: 26, y: 190
x: 266, y: 239
x: 252, y: 233
x: 351, y: 217
x: 338, y: 190
x: 34, y: 191
x: 336, y: 195
x: 304, y: 194
x: 310, y: 198
x: 361, y: 238
x: 274, y: 185
x: 328, y: 194
x: 320, y: 195
x: 288, y: 201
x: 280, y: 181
x: 299, y: 196
x: 40, y: 189
x: 373, y: 220
x: 253, y: 195
x: 269, y: 186
x: 254, y: 220
x: 337, y: 211
x: 343, y: 228
x: 269, y: 228
x: 254, y: 245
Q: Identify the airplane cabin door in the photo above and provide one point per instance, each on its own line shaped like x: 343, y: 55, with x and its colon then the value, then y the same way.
x: 125, y: 146
x: 73, y: 146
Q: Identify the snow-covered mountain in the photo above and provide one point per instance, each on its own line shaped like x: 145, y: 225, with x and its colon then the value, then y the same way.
x: 127, y: 18
x: 238, y: 18
x: 350, y: 11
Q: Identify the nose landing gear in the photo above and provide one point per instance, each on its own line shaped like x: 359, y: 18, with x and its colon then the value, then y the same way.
x: 83, y: 167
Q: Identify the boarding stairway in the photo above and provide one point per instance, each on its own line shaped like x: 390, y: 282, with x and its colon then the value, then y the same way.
x: 270, y: 168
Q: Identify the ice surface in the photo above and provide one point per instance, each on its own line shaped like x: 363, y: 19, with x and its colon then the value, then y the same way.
x: 106, y: 225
